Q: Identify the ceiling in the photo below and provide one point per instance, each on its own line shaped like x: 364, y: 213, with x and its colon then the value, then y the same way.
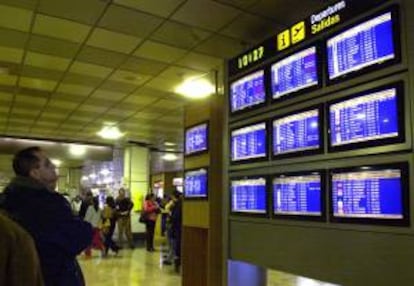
x: 66, y: 67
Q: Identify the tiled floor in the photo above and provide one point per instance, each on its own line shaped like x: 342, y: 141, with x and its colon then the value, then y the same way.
x: 138, y: 267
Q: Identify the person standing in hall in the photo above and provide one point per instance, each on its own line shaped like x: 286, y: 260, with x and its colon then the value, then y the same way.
x: 31, y: 200
x: 94, y: 217
x: 176, y: 227
x: 109, y: 217
x: 151, y: 209
x: 124, y: 206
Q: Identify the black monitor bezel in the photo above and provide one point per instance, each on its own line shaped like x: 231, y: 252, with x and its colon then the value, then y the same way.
x: 399, y: 86
x: 207, y: 137
x: 302, y: 90
x: 250, y: 160
x: 405, y: 221
x: 250, y: 107
x: 300, y: 153
x: 207, y: 182
x: 395, y: 18
x: 250, y: 214
x: 319, y: 218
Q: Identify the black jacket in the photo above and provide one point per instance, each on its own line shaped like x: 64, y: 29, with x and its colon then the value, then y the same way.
x: 59, y: 235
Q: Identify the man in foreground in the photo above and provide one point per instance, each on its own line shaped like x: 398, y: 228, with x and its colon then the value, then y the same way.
x: 30, y: 199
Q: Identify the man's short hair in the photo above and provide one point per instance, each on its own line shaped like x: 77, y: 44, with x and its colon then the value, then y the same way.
x: 26, y: 160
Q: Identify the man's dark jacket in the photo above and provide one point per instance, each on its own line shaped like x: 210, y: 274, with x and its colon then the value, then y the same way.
x: 59, y: 235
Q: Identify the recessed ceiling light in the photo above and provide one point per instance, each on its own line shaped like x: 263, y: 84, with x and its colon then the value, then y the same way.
x: 110, y: 132
x: 169, y: 144
x: 56, y: 162
x: 77, y: 150
x: 195, y: 88
x: 169, y: 157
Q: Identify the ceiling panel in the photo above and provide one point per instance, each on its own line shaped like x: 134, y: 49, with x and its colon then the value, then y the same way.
x: 159, y: 52
x: 86, y: 12
x: 75, y: 89
x: 223, y: 47
x: 194, y: 13
x: 124, y: 88
x: 15, y: 18
x: 35, y: 83
x: 60, y: 28
x: 41, y: 73
x: 241, y: 4
x: 90, y: 69
x: 129, y: 77
x: 46, y: 61
x: 12, y: 39
x: 26, y: 4
x: 113, y: 41
x: 129, y: 21
x: 200, y: 62
x: 101, y: 57
x: 52, y: 46
x: 144, y: 66
x: 80, y: 79
x: 152, y: 7
x: 11, y: 54
x: 180, y: 35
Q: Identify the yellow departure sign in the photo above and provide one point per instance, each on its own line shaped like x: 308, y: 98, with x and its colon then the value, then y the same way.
x: 283, y: 40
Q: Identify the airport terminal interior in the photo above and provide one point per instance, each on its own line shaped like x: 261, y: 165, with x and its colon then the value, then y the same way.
x: 286, y: 125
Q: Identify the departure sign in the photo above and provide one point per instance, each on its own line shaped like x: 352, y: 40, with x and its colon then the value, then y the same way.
x: 296, y: 132
x: 365, y: 118
x: 195, y: 183
x: 196, y: 139
x: 368, y: 194
x: 247, y: 91
x: 249, y: 142
x: 364, y: 45
x: 249, y: 195
x: 297, y: 195
x: 294, y: 73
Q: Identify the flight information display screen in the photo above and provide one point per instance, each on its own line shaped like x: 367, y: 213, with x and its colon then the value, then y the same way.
x: 249, y: 195
x: 249, y: 142
x: 294, y: 73
x: 364, y: 118
x: 195, y: 183
x: 368, y: 194
x: 364, y: 45
x: 296, y: 132
x: 247, y: 91
x: 196, y: 139
x: 297, y: 195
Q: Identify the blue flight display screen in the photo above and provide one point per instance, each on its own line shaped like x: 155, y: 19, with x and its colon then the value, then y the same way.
x: 196, y: 139
x: 248, y: 195
x: 249, y: 142
x: 363, y: 45
x: 364, y: 118
x: 295, y: 72
x: 247, y: 91
x: 297, y: 132
x: 368, y: 194
x: 297, y: 195
x: 195, y: 184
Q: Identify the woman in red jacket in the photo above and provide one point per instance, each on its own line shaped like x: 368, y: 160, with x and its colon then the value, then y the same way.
x: 151, y: 209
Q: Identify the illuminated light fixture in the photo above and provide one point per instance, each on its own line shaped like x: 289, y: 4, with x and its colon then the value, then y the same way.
x: 195, y: 88
x: 169, y: 157
x: 92, y: 176
x: 56, y: 162
x: 105, y: 172
x: 77, y: 150
x: 110, y: 132
x: 170, y: 144
x: 85, y: 178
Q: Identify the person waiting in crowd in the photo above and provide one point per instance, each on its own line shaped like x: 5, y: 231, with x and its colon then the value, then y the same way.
x: 76, y: 204
x: 176, y: 226
x: 151, y: 209
x: 109, y: 217
x: 19, y: 263
x: 167, y: 212
x: 94, y: 217
x: 86, y: 202
x: 32, y: 201
x: 124, y: 206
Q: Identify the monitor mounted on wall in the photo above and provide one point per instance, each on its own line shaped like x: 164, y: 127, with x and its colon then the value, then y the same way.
x: 295, y: 73
x: 248, y: 92
x: 299, y: 195
x: 371, y: 44
x: 370, y: 118
x: 370, y: 194
x: 248, y: 195
x: 196, y: 183
x: 196, y: 139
